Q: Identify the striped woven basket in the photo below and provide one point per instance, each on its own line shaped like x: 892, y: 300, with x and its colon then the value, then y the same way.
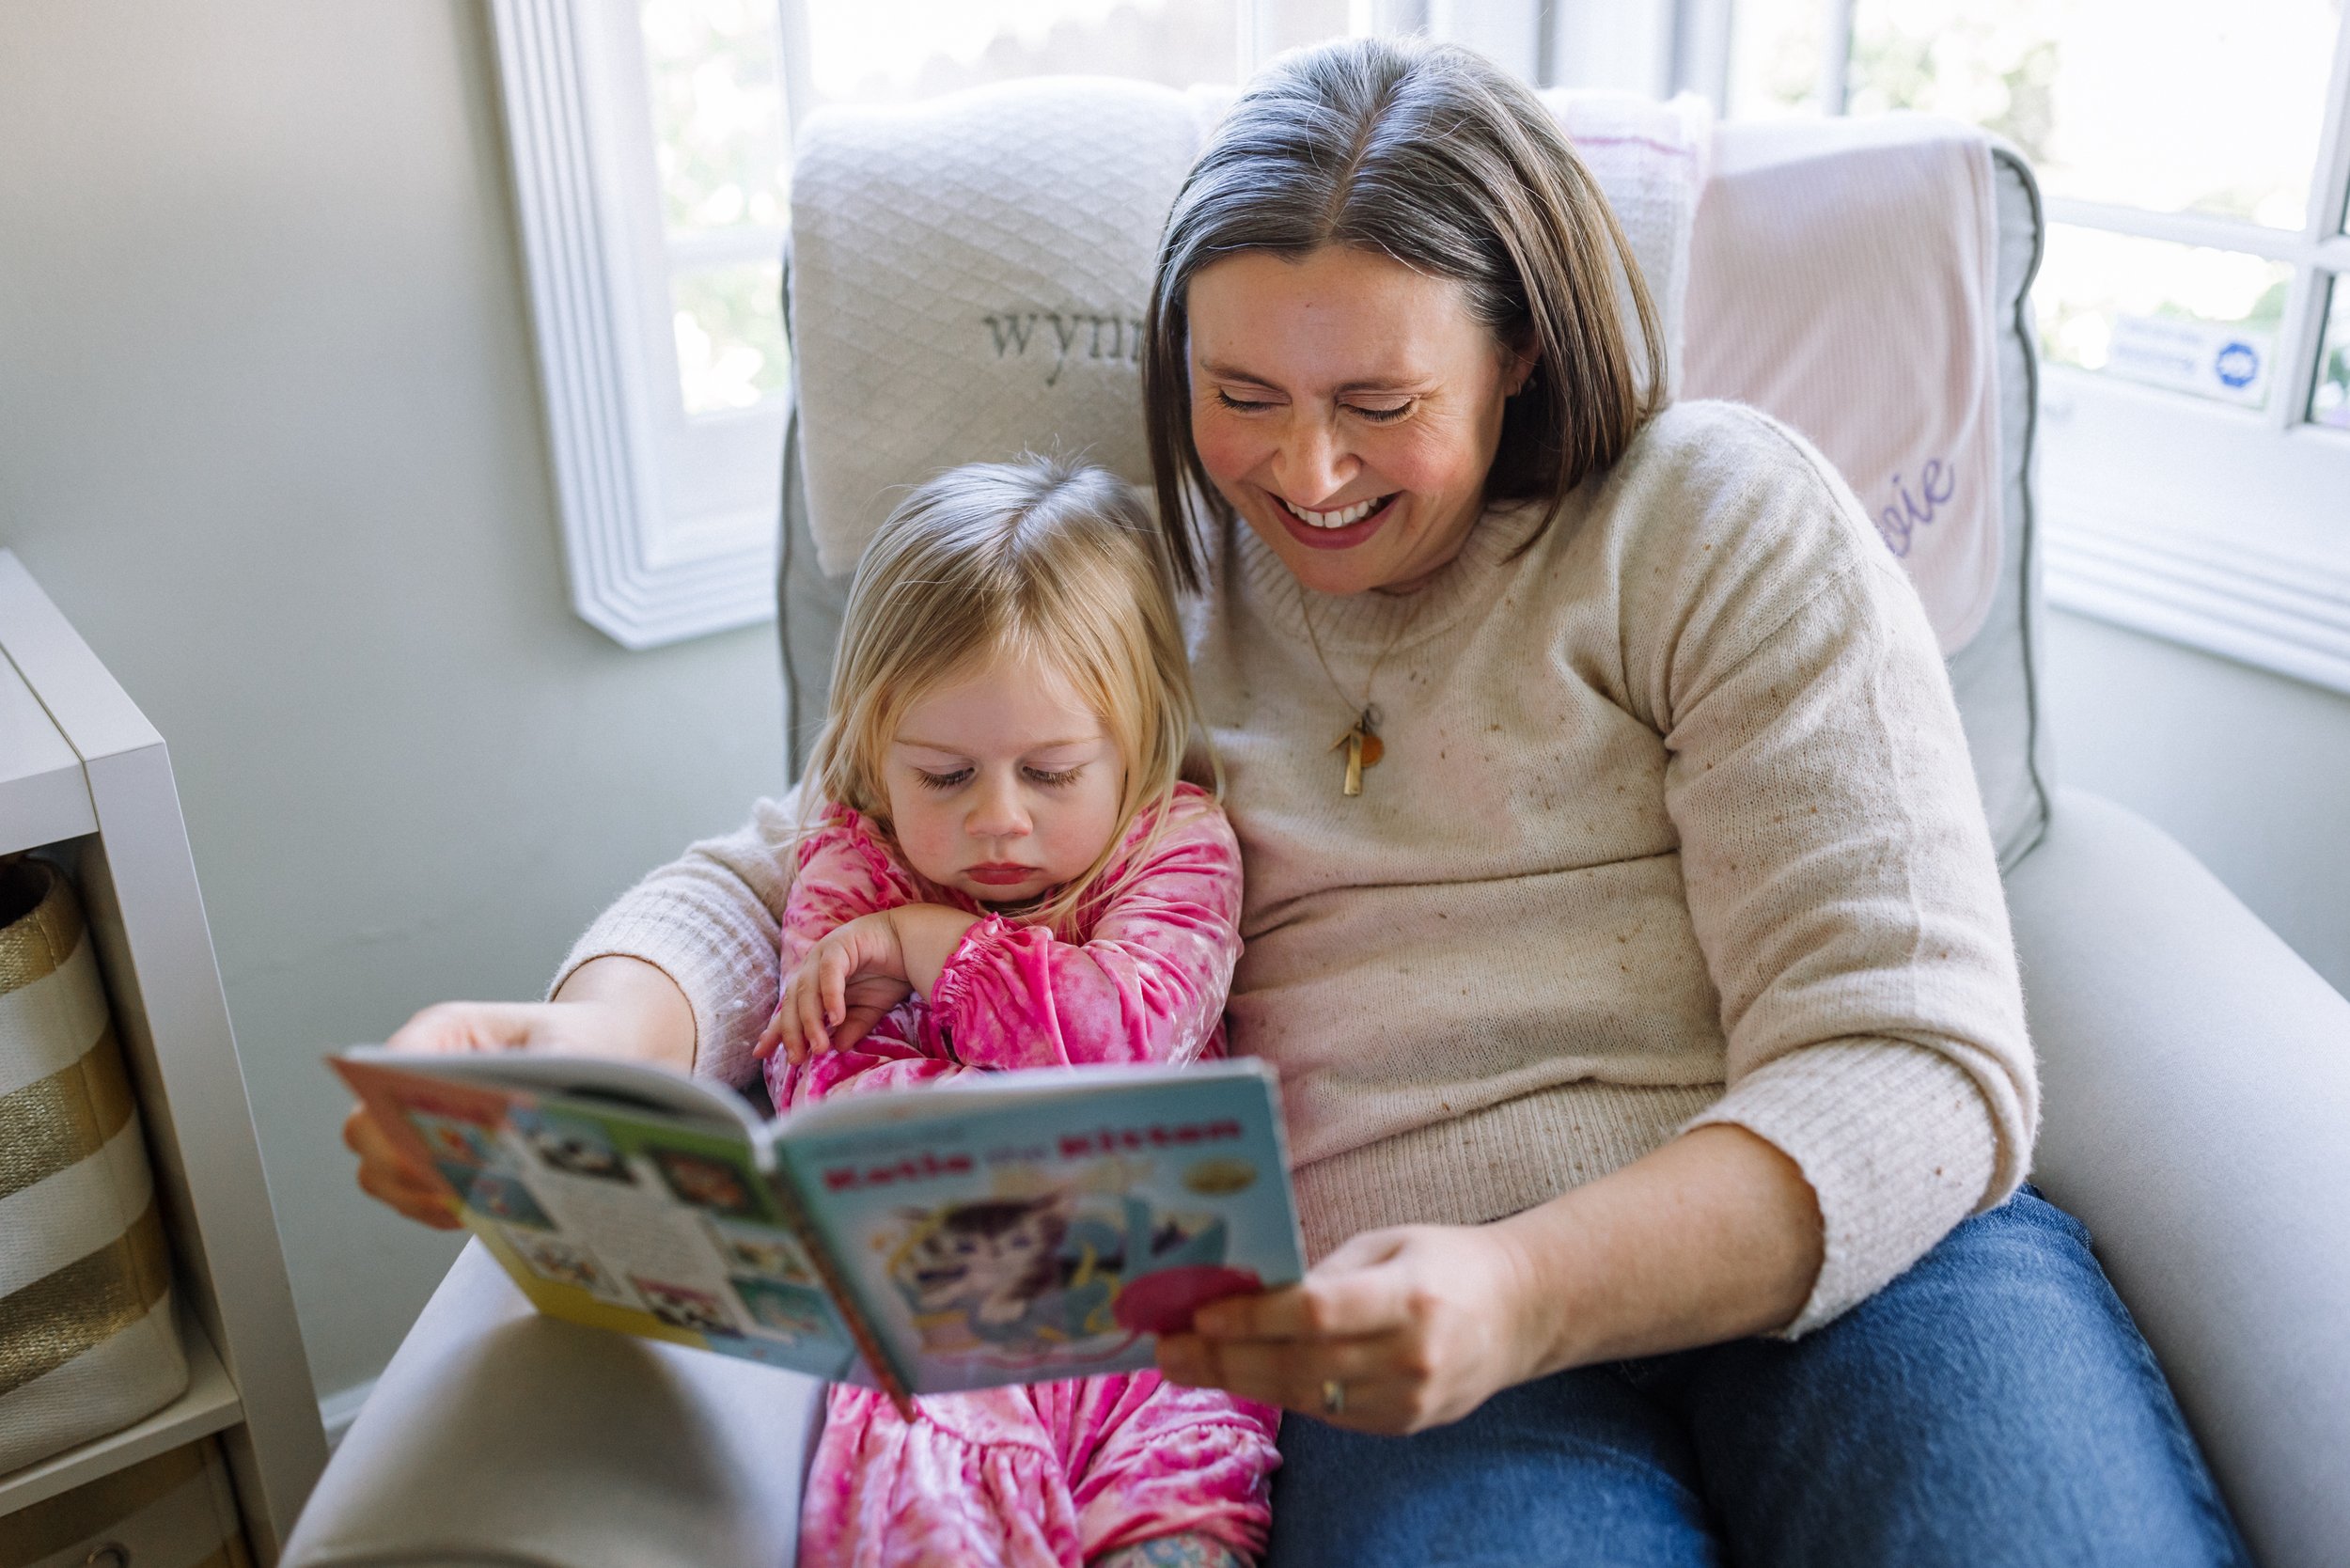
x: 87, y: 1342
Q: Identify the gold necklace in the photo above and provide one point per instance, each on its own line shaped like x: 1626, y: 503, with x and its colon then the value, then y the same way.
x: 1364, y: 748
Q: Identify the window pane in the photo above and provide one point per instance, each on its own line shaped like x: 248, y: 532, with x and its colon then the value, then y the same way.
x: 2213, y: 108
x: 730, y: 336
x: 874, y: 51
x: 1283, y: 25
x: 1775, y: 57
x: 719, y: 133
x: 2183, y: 317
x: 2330, y: 403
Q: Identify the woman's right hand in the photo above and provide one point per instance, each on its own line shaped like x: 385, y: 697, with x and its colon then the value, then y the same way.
x: 609, y: 1006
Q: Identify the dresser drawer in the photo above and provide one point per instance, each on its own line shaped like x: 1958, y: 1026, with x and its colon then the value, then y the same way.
x: 173, y: 1511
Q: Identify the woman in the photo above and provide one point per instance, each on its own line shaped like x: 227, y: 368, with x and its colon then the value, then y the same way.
x: 1621, y: 913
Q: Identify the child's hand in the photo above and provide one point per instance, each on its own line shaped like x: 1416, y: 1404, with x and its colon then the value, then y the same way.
x: 846, y: 983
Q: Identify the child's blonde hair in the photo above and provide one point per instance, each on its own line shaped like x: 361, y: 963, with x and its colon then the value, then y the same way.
x: 1044, y: 558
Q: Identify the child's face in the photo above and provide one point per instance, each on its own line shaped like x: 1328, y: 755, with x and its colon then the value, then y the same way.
x: 1002, y: 783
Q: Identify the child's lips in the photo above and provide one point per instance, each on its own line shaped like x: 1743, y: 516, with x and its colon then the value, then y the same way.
x: 1001, y: 875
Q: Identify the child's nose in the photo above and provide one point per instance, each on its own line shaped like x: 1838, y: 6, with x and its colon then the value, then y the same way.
x: 996, y: 813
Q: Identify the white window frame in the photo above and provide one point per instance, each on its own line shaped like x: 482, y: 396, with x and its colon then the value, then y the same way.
x: 669, y: 522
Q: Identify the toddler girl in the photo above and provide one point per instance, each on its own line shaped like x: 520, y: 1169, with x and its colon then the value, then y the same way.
x: 1003, y: 869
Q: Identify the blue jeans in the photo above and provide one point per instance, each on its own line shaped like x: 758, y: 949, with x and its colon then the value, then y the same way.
x: 1993, y: 1406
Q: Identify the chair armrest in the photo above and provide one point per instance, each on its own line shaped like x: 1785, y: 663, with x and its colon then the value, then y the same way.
x: 2196, y: 1078
x: 498, y: 1435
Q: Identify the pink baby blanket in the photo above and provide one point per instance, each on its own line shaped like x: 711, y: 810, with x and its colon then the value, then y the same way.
x: 1852, y: 297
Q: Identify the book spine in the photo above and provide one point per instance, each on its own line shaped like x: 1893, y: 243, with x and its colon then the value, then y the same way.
x: 844, y: 1299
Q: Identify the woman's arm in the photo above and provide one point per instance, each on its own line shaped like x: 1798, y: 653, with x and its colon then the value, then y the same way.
x: 1713, y: 1236
x: 709, y: 920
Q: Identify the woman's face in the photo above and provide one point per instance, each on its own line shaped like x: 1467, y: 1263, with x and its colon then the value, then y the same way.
x: 1348, y: 408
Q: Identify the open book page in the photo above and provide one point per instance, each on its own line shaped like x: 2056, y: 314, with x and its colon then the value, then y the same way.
x: 658, y: 1222
x: 1024, y: 1227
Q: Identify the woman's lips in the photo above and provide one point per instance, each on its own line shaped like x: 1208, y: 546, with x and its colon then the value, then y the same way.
x: 1001, y: 875
x: 1332, y: 538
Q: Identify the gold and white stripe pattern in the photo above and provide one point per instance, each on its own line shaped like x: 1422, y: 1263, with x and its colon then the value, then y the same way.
x: 87, y: 1343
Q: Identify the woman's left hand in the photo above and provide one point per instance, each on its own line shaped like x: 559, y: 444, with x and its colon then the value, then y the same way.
x: 1410, y: 1327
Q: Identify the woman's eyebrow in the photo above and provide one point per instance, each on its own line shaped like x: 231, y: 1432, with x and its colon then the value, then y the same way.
x: 1234, y: 373
x: 1398, y: 384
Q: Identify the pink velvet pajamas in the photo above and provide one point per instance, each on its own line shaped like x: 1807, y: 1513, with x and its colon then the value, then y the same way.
x: 1052, y: 1473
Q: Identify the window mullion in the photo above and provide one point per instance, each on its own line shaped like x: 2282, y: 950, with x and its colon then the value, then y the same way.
x: 799, y: 81
x: 2329, y: 188
x: 2184, y: 229
x: 2304, y: 325
x: 2297, y: 347
x: 1835, y: 55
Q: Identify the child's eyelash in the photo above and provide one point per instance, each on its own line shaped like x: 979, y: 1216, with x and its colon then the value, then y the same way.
x: 956, y: 779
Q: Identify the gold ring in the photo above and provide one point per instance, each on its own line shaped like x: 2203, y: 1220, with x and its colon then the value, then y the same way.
x: 1333, y: 1396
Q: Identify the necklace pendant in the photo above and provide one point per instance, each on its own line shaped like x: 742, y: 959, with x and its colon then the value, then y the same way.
x: 1363, y: 751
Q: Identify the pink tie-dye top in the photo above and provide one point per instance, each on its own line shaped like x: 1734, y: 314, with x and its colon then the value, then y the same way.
x: 1052, y: 1475
x: 1143, y: 979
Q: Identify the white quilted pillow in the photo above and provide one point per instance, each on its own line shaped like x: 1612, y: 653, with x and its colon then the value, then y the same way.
x: 969, y: 274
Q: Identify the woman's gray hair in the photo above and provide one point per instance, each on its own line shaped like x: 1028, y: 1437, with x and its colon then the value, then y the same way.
x: 1432, y: 155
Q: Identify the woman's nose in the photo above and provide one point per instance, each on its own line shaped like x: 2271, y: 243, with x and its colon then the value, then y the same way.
x: 1313, y: 466
x: 996, y: 811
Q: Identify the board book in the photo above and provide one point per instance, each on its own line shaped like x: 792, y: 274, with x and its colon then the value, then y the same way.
x: 998, y: 1228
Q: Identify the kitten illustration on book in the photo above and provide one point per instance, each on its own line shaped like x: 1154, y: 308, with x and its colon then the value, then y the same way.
x: 1014, y: 1274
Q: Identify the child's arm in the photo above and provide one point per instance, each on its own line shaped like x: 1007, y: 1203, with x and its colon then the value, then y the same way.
x: 1147, y: 986
x: 845, y: 873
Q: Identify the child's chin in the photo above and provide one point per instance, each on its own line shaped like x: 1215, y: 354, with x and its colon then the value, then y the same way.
x: 1012, y: 900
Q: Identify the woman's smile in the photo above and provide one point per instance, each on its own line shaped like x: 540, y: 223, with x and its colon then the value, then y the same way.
x: 1336, y: 527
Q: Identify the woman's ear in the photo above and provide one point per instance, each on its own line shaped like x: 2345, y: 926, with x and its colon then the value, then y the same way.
x: 1517, y: 365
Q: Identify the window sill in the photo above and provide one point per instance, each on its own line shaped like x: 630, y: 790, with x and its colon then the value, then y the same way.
x: 2207, y: 525
x: 2283, y: 612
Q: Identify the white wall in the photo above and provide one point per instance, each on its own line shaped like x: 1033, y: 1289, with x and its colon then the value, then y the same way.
x: 2250, y: 771
x: 270, y: 436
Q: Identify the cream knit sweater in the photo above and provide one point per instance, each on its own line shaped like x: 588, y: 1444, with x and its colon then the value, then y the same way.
x: 1673, y: 798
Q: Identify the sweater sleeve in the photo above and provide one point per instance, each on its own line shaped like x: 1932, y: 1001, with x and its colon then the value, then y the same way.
x: 709, y: 920
x: 1149, y: 983
x: 844, y: 872
x: 1839, y: 873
